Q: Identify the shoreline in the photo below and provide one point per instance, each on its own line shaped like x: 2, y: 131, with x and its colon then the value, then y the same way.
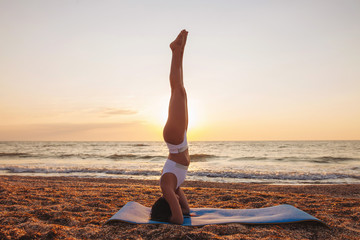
x: 74, y: 207
x: 276, y: 182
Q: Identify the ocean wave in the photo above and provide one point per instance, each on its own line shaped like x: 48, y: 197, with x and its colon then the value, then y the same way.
x: 122, y: 156
x: 275, y: 175
x: 52, y: 170
x: 15, y: 154
x: 329, y: 159
x: 46, y: 156
x: 151, y: 157
x: 249, y: 158
x: 15, y: 169
x: 82, y: 156
x: 323, y: 159
x: 117, y: 157
x: 139, y: 145
x: 59, y: 144
x: 249, y: 176
x: 201, y: 157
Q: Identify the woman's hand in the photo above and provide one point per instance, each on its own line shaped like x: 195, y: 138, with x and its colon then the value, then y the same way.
x: 190, y: 215
x: 177, y: 219
x: 183, y: 201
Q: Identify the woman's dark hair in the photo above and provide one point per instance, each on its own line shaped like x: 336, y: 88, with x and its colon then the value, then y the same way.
x: 161, y: 211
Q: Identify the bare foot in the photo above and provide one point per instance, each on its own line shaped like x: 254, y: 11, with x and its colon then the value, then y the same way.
x: 179, y: 43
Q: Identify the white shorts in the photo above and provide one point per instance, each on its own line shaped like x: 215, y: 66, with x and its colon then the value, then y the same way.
x: 177, y: 169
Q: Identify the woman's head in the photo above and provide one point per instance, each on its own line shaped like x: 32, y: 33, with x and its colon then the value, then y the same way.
x: 161, y: 211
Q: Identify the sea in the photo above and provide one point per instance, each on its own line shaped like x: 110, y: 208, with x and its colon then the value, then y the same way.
x: 268, y: 162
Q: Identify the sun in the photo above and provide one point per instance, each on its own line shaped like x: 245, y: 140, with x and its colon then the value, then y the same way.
x: 192, y: 117
x: 193, y: 113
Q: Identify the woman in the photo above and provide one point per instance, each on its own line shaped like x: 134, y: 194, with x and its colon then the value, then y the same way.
x: 173, y: 205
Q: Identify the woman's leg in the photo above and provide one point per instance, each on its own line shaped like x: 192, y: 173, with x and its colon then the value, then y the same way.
x: 177, y: 121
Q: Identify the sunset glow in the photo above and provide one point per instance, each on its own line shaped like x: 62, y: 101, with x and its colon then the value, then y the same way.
x: 253, y: 70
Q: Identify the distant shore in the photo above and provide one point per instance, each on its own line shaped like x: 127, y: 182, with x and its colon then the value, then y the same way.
x: 65, y: 207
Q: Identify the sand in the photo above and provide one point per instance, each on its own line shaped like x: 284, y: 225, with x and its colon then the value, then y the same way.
x: 77, y: 208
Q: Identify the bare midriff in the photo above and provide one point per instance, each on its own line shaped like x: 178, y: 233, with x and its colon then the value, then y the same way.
x: 182, y: 158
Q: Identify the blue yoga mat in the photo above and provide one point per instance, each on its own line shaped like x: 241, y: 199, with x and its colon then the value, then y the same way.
x: 134, y: 212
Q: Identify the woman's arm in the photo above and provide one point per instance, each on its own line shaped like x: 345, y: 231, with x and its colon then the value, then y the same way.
x: 183, y: 201
x: 167, y: 184
x: 176, y: 211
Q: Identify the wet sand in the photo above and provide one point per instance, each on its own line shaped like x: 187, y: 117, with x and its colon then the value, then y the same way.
x: 77, y: 208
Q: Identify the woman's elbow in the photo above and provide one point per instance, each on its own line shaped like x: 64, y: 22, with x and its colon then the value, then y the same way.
x: 177, y: 220
x: 186, y: 211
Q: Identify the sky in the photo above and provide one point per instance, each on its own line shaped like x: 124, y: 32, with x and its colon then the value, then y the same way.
x: 90, y: 70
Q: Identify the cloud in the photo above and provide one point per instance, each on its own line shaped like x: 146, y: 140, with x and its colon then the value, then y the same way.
x: 109, y: 112
x: 134, y: 130
x: 116, y: 111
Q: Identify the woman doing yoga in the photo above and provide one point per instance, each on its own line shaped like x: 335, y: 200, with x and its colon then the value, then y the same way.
x: 173, y: 204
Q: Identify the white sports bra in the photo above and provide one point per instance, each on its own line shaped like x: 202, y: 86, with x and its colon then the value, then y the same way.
x: 179, y: 147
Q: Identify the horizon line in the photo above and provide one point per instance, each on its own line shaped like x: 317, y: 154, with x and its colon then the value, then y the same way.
x: 293, y: 140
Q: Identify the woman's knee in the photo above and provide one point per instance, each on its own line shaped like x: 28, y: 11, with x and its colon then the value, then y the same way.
x: 180, y: 91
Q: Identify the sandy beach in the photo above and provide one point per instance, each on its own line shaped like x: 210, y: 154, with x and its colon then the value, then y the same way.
x: 77, y: 208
